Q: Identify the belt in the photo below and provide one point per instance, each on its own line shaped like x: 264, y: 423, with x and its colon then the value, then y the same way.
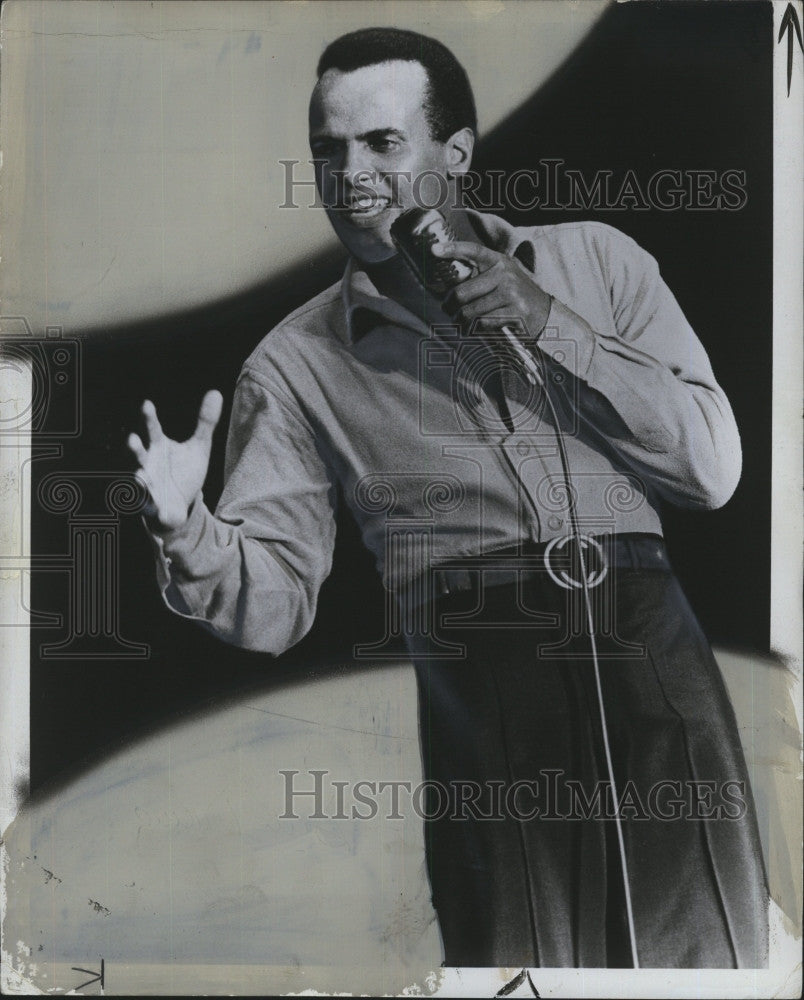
x: 557, y: 560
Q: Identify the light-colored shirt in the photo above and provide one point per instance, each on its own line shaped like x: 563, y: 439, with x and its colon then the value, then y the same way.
x: 355, y: 392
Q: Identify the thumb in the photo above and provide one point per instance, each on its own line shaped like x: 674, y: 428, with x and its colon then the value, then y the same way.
x: 209, y: 415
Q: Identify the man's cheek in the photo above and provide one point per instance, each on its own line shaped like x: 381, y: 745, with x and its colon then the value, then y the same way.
x: 331, y: 186
x: 324, y: 186
x: 363, y: 184
x: 398, y: 183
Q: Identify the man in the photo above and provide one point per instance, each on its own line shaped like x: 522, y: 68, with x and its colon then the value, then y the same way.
x: 511, y: 499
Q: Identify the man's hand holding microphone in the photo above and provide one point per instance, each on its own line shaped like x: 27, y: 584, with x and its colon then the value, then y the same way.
x: 500, y: 286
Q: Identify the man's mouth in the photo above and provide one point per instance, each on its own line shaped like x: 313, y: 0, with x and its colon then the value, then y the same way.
x: 364, y: 209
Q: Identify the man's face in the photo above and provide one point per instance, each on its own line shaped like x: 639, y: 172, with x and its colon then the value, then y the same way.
x: 368, y: 129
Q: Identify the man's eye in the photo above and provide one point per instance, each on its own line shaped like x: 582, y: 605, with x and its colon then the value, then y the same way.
x: 384, y: 145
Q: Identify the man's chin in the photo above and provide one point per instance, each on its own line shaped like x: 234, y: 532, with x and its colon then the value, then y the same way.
x: 367, y: 240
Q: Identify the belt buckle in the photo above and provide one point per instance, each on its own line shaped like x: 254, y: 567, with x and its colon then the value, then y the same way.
x: 562, y: 577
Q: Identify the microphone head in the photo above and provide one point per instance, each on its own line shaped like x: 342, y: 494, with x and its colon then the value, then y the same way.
x: 414, y: 232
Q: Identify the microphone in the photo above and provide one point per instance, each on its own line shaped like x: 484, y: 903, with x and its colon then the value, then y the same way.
x: 414, y: 233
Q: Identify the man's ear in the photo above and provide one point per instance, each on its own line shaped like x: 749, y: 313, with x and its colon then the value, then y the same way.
x: 460, y: 147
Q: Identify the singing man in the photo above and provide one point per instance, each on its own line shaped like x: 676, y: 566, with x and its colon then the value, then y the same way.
x: 563, y: 679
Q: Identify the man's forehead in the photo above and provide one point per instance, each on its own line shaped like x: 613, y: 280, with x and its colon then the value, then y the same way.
x: 387, y: 92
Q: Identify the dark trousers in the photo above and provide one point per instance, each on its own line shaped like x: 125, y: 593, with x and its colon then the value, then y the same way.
x: 529, y: 874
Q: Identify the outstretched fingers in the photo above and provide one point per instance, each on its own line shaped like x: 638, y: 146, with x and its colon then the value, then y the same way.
x: 141, y: 454
x: 136, y: 446
x: 209, y: 415
x: 152, y: 424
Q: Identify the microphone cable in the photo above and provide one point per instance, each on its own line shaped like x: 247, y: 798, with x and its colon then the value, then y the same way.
x: 532, y: 367
x: 414, y: 232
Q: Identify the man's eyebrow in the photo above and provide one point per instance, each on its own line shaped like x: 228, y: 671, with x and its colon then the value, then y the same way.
x: 371, y: 136
x: 381, y: 133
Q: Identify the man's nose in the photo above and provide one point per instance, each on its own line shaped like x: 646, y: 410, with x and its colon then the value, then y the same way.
x: 357, y: 166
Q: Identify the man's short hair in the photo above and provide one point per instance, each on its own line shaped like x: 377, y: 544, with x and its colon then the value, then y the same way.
x: 449, y: 103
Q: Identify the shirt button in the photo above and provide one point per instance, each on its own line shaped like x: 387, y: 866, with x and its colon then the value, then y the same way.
x: 522, y: 448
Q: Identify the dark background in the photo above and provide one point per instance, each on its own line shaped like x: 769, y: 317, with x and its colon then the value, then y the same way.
x: 654, y: 86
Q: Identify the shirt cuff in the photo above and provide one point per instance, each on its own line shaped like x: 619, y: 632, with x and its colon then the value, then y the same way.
x: 177, y: 544
x: 173, y: 549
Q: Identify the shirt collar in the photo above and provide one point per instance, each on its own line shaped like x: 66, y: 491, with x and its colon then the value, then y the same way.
x: 362, y: 303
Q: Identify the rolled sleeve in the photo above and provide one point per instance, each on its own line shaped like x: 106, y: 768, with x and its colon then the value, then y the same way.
x: 647, y: 386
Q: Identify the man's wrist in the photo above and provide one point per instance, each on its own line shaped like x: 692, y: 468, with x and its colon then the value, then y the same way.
x: 548, y: 310
x: 169, y: 532
x: 538, y: 320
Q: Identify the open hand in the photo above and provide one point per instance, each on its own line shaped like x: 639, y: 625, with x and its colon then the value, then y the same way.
x: 174, y: 471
